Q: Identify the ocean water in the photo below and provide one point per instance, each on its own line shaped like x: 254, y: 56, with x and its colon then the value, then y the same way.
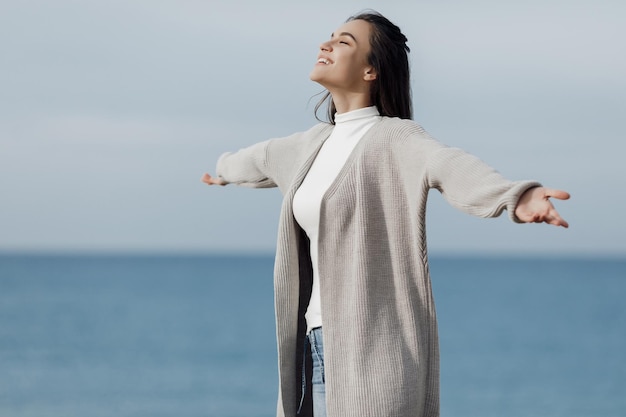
x: 151, y: 336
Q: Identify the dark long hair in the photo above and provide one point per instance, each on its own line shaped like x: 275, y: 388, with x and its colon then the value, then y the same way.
x: 390, y: 92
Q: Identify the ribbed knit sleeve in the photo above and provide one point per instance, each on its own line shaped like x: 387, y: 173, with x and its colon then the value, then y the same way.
x: 274, y: 162
x: 246, y: 167
x: 472, y: 186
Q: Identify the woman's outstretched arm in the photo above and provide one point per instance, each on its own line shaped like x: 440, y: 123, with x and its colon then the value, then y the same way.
x: 247, y: 167
x: 534, y: 206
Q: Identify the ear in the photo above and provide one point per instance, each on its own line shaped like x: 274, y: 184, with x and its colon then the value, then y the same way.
x: 370, y: 74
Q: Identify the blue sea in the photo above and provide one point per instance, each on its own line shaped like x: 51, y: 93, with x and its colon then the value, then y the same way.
x: 149, y: 336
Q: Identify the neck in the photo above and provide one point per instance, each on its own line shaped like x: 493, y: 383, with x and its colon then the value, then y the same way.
x: 348, y: 101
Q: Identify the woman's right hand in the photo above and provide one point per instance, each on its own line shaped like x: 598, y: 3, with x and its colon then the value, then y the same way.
x: 209, y: 180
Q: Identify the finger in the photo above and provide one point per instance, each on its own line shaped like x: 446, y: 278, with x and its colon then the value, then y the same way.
x: 559, y: 222
x: 206, y: 178
x: 558, y: 194
x: 555, y: 219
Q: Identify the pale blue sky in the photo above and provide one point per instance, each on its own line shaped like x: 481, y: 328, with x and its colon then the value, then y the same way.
x: 111, y: 111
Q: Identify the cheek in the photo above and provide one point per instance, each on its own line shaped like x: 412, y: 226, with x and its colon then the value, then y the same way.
x: 356, y: 70
x: 353, y: 65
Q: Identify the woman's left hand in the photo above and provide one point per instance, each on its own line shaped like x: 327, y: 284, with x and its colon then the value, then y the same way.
x: 535, y: 207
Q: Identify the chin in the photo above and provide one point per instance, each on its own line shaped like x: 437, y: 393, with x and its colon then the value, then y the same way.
x: 318, y: 79
x: 314, y: 77
x: 318, y: 74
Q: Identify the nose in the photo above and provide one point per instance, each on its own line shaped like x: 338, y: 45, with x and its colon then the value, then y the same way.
x: 326, y: 46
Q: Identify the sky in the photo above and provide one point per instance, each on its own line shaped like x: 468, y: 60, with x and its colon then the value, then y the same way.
x: 110, y: 112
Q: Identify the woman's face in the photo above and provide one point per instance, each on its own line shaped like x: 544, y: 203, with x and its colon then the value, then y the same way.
x: 342, y: 64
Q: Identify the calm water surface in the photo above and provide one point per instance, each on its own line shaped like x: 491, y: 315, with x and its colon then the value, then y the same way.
x: 192, y: 336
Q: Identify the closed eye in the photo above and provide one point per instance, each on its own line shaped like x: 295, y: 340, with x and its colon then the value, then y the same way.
x: 342, y: 35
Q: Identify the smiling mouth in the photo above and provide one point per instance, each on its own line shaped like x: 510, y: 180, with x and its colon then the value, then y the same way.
x: 323, y: 61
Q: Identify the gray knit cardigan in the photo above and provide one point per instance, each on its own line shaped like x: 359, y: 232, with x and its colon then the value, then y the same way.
x: 381, y: 348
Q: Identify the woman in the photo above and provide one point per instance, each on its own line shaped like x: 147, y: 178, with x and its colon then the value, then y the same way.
x: 351, y: 255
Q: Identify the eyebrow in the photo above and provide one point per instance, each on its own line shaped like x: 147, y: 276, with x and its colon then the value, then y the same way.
x: 332, y: 35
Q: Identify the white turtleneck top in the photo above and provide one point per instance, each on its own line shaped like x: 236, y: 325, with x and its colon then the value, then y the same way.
x: 349, y: 128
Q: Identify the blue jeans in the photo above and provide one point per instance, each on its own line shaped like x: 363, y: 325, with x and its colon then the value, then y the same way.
x: 315, y: 347
x: 319, y: 378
